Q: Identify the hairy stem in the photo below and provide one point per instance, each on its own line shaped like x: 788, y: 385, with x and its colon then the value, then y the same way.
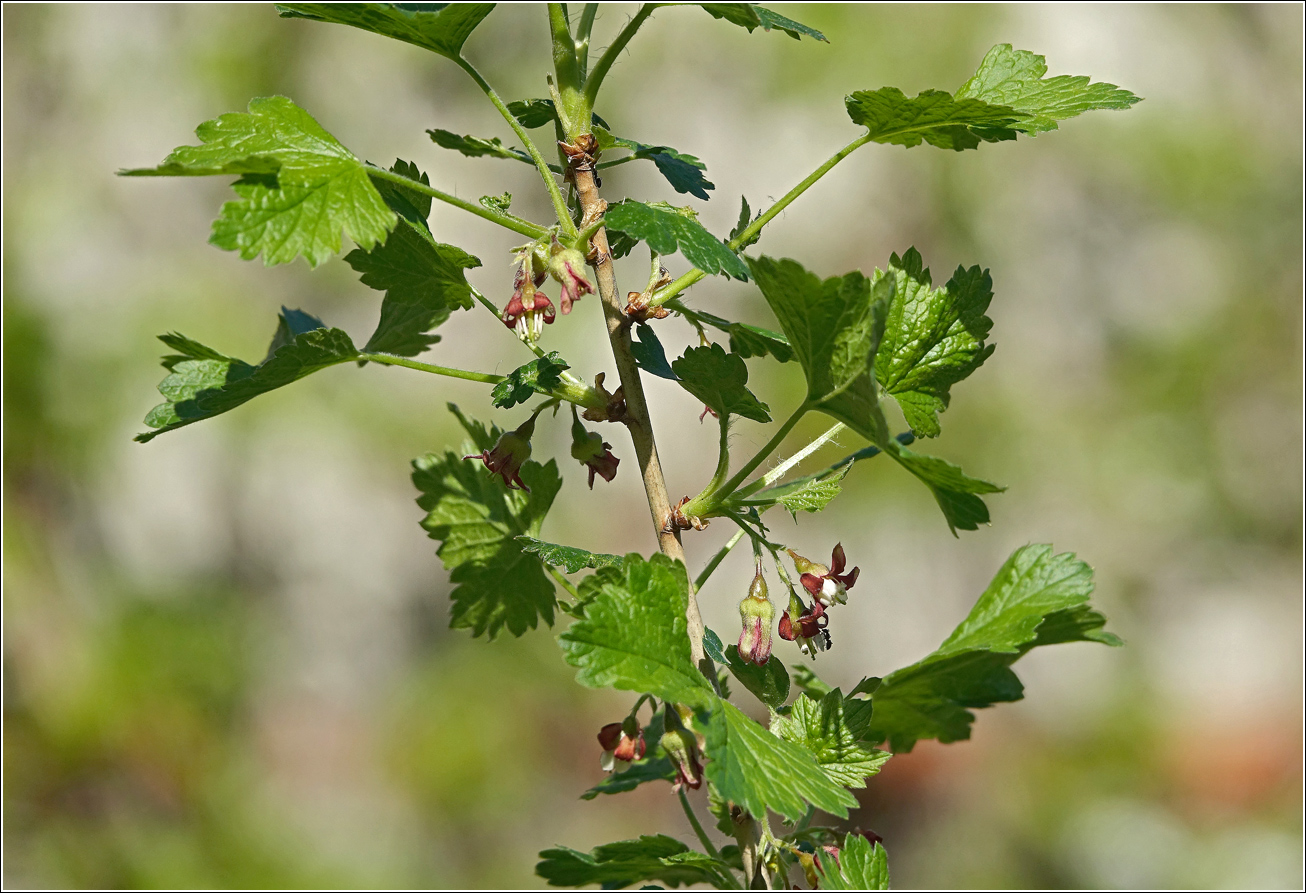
x: 595, y: 79
x: 583, y: 29
x: 717, y: 559
x: 516, y: 224
x: 763, y: 219
x: 712, y: 497
x: 559, y: 203
x: 637, y: 417
x: 391, y: 360
x: 782, y: 469
x: 563, y: 582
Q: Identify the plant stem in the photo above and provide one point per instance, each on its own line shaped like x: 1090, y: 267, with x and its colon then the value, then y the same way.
x: 516, y: 224
x: 559, y: 203
x: 766, y: 217
x: 391, y: 360
x: 718, y: 558
x: 583, y: 29
x: 711, y: 498
x: 782, y: 469
x: 595, y: 79
x: 563, y: 582
x: 708, y: 847
x: 637, y: 416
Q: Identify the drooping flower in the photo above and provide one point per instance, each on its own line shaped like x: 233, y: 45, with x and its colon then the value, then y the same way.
x: 622, y: 741
x: 756, y: 612
x: 828, y: 585
x: 589, y: 449
x: 806, y: 626
x: 509, y: 454
x: 528, y: 310
x: 567, y: 267
x: 681, y: 747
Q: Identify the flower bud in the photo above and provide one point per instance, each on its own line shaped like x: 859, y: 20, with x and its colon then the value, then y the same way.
x: 589, y: 449
x: 567, y: 267
x: 756, y: 612
x: 509, y: 454
x: 681, y: 747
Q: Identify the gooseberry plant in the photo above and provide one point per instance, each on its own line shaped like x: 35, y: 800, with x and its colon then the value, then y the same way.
x: 861, y: 341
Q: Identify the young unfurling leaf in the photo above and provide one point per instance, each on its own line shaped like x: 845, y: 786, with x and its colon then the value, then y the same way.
x: 539, y: 376
x: 684, y: 172
x: 476, y: 147
x: 569, y: 558
x: 667, y: 229
x: 750, y: 16
x: 859, y: 865
x: 821, y: 727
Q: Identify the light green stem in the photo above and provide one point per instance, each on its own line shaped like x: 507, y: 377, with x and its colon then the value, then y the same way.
x: 699, y: 832
x: 559, y: 203
x: 717, y: 559
x: 595, y: 79
x: 516, y: 224
x: 583, y: 29
x: 392, y: 360
x: 563, y: 582
x: 711, y: 498
x: 783, y: 468
x: 766, y: 217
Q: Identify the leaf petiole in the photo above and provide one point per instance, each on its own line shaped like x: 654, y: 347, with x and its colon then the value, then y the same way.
x: 516, y: 224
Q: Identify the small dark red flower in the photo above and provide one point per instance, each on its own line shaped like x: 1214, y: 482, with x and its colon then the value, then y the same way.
x: 567, y: 266
x: 828, y: 585
x: 528, y: 310
x: 509, y: 454
x: 806, y: 627
x: 622, y: 741
x: 589, y: 449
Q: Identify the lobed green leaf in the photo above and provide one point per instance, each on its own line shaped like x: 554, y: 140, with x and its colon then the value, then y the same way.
x: 477, y: 519
x: 821, y: 728
x: 1037, y: 598
x: 684, y: 172
x: 806, y: 494
x: 933, y: 338
x: 570, y: 558
x: 476, y: 146
x: 300, y: 187
x: 203, y: 383
x: 750, y: 16
x: 439, y: 27
x: 634, y: 634
x: 649, y: 353
x: 626, y: 862
x: 759, y: 771
x: 667, y: 229
x: 720, y: 380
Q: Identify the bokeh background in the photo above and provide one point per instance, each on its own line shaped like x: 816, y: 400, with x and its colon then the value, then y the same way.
x: 226, y: 654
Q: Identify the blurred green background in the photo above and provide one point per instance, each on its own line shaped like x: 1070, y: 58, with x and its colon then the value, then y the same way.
x: 226, y: 654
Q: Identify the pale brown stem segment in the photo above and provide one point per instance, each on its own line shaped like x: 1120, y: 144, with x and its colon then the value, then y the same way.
x: 637, y: 417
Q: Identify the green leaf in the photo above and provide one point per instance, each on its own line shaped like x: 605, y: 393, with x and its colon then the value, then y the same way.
x: 745, y: 339
x: 667, y: 229
x: 634, y: 637
x: 533, y: 113
x: 953, y: 490
x: 760, y: 771
x: 933, y: 338
x: 744, y: 220
x: 820, y: 727
x: 769, y: 682
x: 540, y: 376
x: 423, y: 280
x: 477, y: 519
x: 719, y: 379
x: 860, y: 865
x: 684, y: 172
x: 1014, y: 78
x: 307, y: 189
x: 475, y: 146
x: 712, y: 645
x: 439, y: 27
x: 933, y: 117
x: 204, y: 383
x: 806, y: 494
x: 499, y: 204
x: 1037, y: 598
x: 834, y: 327
x: 649, y: 353
x: 639, y: 772
x: 626, y: 862
x: 808, y: 683
x: 750, y: 16
x: 569, y: 558
x: 1006, y: 97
